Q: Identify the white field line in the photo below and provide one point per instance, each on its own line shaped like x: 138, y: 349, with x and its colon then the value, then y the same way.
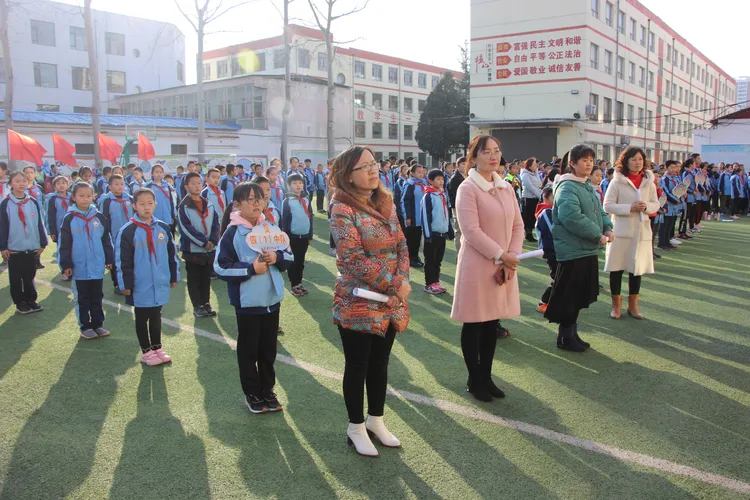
x: 473, y: 413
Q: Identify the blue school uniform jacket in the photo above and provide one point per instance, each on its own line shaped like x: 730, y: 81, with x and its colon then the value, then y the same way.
x: 217, y: 199
x: 36, y: 192
x: 178, y: 183
x: 411, y: 200
x: 687, y: 174
x: 398, y: 193
x: 295, y: 220
x: 300, y: 172
x: 543, y: 228
x: 309, y: 175
x: 57, y: 207
x: 85, y: 243
x: 117, y: 210
x: 101, y: 187
x: 725, y: 184
x: 272, y: 214
x: 738, y: 187
x: 436, y: 215
x: 197, y: 228
x: 249, y: 293
x: 387, y: 181
x: 21, y: 235
x: 227, y: 184
x: 146, y: 270
x: 278, y: 193
x: 165, y: 208
x: 604, y: 185
x: 320, y: 181
x: 135, y: 185
x: 674, y: 204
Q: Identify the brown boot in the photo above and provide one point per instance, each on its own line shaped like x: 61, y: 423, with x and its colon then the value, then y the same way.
x: 616, y: 307
x: 633, y: 307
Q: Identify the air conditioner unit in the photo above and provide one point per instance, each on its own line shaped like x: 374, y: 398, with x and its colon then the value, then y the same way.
x: 624, y: 140
x: 591, y: 110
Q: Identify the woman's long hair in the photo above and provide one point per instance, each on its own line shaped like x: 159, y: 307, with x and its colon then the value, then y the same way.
x: 341, y: 171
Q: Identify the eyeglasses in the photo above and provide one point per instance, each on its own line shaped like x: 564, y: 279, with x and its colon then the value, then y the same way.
x: 255, y: 201
x: 373, y: 166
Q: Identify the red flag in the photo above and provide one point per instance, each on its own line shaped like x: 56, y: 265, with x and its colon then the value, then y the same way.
x: 25, y: 148
x: 64, y: 151
x: 145, y: 148
x: 109, y: 149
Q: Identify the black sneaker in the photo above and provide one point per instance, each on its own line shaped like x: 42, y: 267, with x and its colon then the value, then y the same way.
x: 200, y: 312
x: 39, y: 265
x: 209, y: 310
x: 35, y: 308
x: 272, y: 402
x: 118, y: 291
x: 255, y: 405
x: 23, y: 308
x: 416, y: 264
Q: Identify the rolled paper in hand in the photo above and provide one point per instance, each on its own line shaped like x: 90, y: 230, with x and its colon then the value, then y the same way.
x: 526, y: 255
x: 367, y: 294
x: 638, y: 197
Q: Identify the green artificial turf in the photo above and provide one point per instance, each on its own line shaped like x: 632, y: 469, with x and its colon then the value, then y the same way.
x: 84, y: 419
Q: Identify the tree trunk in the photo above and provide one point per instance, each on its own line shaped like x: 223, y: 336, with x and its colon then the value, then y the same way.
x: 5, y: 45
x: 94, y: 77
x: 199, y: 90
x: 331, y: 94
x: 287, y: 90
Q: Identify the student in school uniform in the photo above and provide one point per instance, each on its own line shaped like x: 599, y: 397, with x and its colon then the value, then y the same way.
x: 216, y: 197
x: 398, y: 193
x: 458, y: 177
x: 163, y: 195
x: 689, y: 216
x: 56, y: 206
x: 117, y: 208
x: 22, y: 240
x: 85, y: 174
x: 271, y: 213
x: 386, y: 176
x: 319, y: 186
x: 294, y: 168
x: 297, y: 222
x: 102, y: 183
x: 84, y: 254
x: 256, y: 289
x: 138, y: 182
x: 228, y: 182
x: 725, y: 192
x: 411, y: 200
x: 276, y: 185
x: 4, y: 188
x: 546, y: 241
x: 673, y: 206
x: 199, y: 230
x: 309, y: 172
x: 739, y: 194
x: 436, y: 221
x: 37, y: 193
x: 129, y: 175
x: 147, y: 268
x: 179, y: 176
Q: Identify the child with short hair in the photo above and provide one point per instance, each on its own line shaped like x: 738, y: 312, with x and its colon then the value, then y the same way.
x: 84, y: 175
x: 84, y: 253
x: 117, y: 208
x: 437, y: 225
x: 319, y: 185
x: 163, y: 196
x: 271, y: 213
x: 147, y: 268
x: 102, y: 183
x: 138, y: 181
x: 34, y: 189
x: 4, y: 188
x: 216, y: 197
x: 411, y: 201
x: 543, y: 228
x: 297, y: 222
x: 228, y: 182
x: 199, y: 229
x: 596, y: 182
x: 276, y: 185
x: 256, y: 289
x: 56, y: 208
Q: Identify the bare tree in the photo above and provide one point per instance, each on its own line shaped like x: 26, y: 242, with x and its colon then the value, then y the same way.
x: 205, y: 14
x: 5, y: 46
x: 94, y: 78
x: 324, y: 17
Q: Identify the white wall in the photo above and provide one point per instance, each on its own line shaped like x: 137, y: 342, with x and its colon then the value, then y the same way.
x: 728, y: 142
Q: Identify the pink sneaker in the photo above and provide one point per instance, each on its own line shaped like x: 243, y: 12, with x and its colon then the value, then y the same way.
x: 163, y: 356
x: 150, y: 358
x: 440, y: 287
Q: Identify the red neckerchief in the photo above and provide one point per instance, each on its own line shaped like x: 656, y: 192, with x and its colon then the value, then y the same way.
x: 304, y: 205
x: 122, y: 202
x: 269, y: 215
x: 387, y: 179
x: 218, y: 194
x: 32, y: 193
x: 600, y: 194
x: 64, y: 201
x: 149, y: 237
x: 203, y: 216
x: 277, y: 189
x: 164, y: 192
x: 441, y: 193
x: 21, y: 215
x: 86, y: 220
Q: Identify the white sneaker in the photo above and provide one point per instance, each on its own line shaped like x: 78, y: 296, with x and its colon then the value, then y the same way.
x: 357, y: 437
x: 376, y: 427
x: 675, y: 242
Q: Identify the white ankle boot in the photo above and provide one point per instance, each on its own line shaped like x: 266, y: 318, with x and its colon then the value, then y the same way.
x: 376, y: 426
x: 357, y: 437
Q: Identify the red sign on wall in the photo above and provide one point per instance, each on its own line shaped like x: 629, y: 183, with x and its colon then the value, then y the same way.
x: 502, y: 60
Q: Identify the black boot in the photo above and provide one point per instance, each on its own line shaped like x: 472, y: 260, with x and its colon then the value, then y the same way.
x: 478, y: 390
x: 566, y: 340
x: 494, y: 390
x: 579, y: 339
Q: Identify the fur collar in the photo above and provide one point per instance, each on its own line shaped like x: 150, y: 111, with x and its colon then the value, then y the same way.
x: 483, y: 184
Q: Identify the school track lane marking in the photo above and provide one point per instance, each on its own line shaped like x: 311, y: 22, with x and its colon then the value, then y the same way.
x: 474, y: 413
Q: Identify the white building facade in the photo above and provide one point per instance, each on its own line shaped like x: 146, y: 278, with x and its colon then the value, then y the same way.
x: 742, y: 83
x: 388, y: 94
x: 49, y: 54
x: 547, y: 75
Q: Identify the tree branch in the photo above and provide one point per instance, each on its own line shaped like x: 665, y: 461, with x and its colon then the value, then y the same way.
x: 187, y: 18
x: 353, y: 11
x: 216, y: 16
x: 316, y: 13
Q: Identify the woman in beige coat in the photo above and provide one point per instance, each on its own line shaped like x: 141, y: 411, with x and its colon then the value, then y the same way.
x: 631, y: 196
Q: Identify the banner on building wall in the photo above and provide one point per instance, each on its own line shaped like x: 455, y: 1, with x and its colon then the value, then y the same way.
x: 728, y: 153
x: 527, y: 58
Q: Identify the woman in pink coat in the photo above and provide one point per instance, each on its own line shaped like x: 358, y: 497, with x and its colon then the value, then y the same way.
x: 491, y: 238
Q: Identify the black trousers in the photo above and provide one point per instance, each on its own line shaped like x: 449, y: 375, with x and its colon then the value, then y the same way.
x: 331, y: 243
x: 687, y: 216
x: 615, y: 283
x: 148, y: 327
x: 666, y: 230
x: 256, y: 352
x: 529, y: 207
x: 21, y: 274
x: 552, y: 264
x: 366, y: 362
x: 434, y: 251
x: 478, y: 346
x: 726, y: 204
x: 88, y: 295
x: 113, y: 275
x: 299, y: 249
x: 413, y: 236
x: 715, y: 203
x: 319, y: 199
x: 199, y: 282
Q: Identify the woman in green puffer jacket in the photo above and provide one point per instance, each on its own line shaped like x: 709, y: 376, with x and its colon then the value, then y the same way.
x: 579, y: 228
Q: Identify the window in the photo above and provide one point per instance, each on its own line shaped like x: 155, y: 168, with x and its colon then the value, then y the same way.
x: 45, y: 75
x: 84, y: 149
x: 359, y: 130
x: 261, y: 61
x: 393, y: 131
x: 303, y: 58
x: 692, y: 68
x: 48, y: 107
x: 81, y: 78
x: 238, y: 65
x: 691, y: 100
x: 78, y: 38
x: 421, y: 104
x: 619, y: 112
x: 631, y: 114
x: 116, y: 82
x: 42, y: 33
x: 680, y: 98
x: 83, y: 109
x: 674, y: 56
x: 594, y: 101
x: 408, y: 104
x: 682, y: 61
x: 115, y: 111
x: 595, y: 8
x: 393, y: 103
x: 377, y: 72
x: 642, y: 39
x: 679, y: 127
x: 651, y: 42
x: 114, y: 43
x: 674, y: 90
x: 408, y: 78
x: 641, y: 77
x: 221, y: 69
x: 650, y: 120
x: 359, y: 99
x: 631, y: 72
x: 179, y: 149
x: 651, y: 80
x: 608, y: 62
x: 633, y: 26
x: 359, y: 69
x: 621, y: 21
x: 377, y: 101
x: 608, y: 9
x: 408, y: 134
x: 422, y: 80
x: 206, y: 71
x: 620, y: 68
x: 607, y: 110
x: 180, y: 72
x: 279, y: 58
x: 669, y: 53
x: 661, y: 67
x: 640, y: 123
x: 594, y: 56
x: 377, y: 130
x: 605, y: 153
x: 435, y: 81
x: 393, y: 75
